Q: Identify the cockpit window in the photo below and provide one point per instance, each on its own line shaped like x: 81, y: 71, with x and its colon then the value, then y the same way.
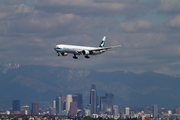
x: 57, y: 47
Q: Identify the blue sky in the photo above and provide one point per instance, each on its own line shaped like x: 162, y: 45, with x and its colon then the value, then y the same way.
x: 149, y: 30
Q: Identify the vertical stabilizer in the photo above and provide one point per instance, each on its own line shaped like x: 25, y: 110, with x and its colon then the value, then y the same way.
x: 102, y: 42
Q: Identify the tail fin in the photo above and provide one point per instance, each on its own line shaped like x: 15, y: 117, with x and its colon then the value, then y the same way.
x: 102, y: 42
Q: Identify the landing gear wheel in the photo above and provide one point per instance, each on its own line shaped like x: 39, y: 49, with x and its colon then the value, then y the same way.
x: 87, y: 57
x: 75, y: 56
x: 58, y: 54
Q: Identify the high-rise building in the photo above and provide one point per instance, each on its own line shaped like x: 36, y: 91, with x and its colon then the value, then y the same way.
x: 97, y: 100
x: 73, y: 108
x: 54, y: 104
x: 26, y: 109
x: 64, y: 112
x: 98, y: 109
x: 132, y: 114
x: 64, y: 105
x: 35, y: 108
x: 103, y: 104
x: 127, y: 111
x: 121, y: 110
x: 52, y: 111
x: 16, y: 105
x: 78, y: 98
x: 63, y: 100
x: 53, y: 108
x: 68, y: 101
x: 115, y: 110
x: 84, y: 103
x: 155, y: 111
x: 58, y: 106
x: 107, y: 102
x: 75, y: 98
x: 179, y: 110
x: 146, y: 109
x: 93, y: 95
x: 110, y: 101
x: 89, y: 108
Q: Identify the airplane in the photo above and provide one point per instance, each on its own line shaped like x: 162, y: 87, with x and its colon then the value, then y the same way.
x: 64, y: 50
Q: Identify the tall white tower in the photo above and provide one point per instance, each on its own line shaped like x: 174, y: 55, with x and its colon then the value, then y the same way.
x: 68, y: 101
x: 54, y: 104
x: 127, y: 111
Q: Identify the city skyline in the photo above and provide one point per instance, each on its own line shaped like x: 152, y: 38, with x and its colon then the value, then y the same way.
x: 106, y: 101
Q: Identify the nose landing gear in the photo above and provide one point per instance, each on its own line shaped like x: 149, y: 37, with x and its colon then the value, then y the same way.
x: 58, y: 53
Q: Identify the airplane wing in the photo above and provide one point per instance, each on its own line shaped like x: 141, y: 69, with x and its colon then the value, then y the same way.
x: 105, y: 48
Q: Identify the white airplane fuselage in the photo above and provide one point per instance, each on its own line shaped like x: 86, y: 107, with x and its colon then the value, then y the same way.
x: 74, y: 49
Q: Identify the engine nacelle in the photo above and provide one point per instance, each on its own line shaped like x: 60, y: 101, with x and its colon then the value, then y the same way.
x: 85, y: 52
x: 64, y: 54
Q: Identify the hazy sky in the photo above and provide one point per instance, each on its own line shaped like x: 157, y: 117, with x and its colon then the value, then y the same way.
x: 149, y: 30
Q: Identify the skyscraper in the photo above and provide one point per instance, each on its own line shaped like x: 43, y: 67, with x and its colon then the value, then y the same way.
x: 127, y: 111
x: 58, y: 106
x: 121, y: 110
x: 103, y: 104
x: 75, y: 98
x: 73, y: 108
x: 35, y: 108
x: 110, y: 101
x: 63, y: 100
x: 79, y: 101
x: 68, y: 101
x: 145, y: 109
x: 54, y: 104
x: 179, y: 110
x: 16, y: 105
x: 89, y: 108
x: 115, y: 110
x: 53, y: 108
x: 107, y: 102
x: 78, y: 98
x: 52, y: 111
x: 93, y: 95
x: 26, y: 109
x: 84, y: 103
x: 155, y: 111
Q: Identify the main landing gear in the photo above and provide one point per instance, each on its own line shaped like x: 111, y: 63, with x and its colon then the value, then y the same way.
x: 87, y: 57
x: 75, y: 56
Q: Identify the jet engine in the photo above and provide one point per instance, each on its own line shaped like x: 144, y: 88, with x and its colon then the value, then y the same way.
x: 64, y: 54
x: 85, y: 52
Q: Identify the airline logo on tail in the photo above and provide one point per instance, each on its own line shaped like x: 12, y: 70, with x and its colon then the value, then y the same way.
x: 102, y: 42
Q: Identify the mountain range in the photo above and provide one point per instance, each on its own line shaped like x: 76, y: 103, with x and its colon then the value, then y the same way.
x: 33, y: 83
